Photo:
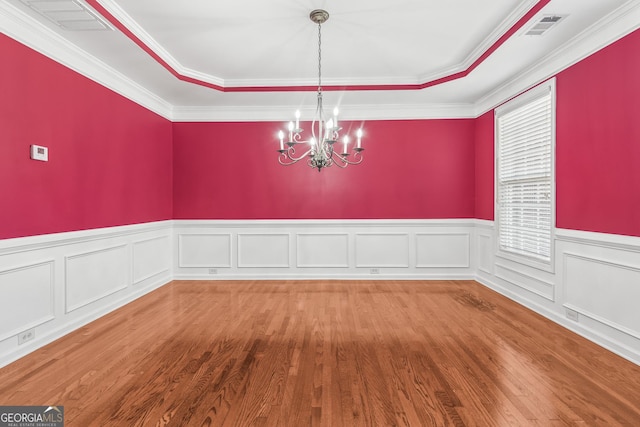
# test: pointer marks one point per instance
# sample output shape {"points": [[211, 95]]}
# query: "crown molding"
{"points": [[347, 112], [150, 45], [516, 20], [507, 24], [34, 34], [607, 30]]}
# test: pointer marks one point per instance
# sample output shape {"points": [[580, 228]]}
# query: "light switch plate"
{"points": [[39, 152]]}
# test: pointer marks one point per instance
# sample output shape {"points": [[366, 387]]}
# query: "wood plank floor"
{"points": [[326, 353]]}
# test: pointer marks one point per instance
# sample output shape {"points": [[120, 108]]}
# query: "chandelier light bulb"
{"points": [[281, 138], [297, 119]]}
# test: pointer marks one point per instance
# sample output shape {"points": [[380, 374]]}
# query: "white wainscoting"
{"points": [[344, 249], [263, 250], [594, 290], [151, 257], [204, 250], [93, 275], [440, 250], [58, 282], [322, 250], [382, 250], [32, 284]]}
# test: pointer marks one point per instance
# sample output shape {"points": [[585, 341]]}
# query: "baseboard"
{"points": [[615, 347]]}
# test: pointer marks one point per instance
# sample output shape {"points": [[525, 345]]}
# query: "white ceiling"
{"points": [[256, 43]]}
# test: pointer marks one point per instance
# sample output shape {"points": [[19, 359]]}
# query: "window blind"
{"points": [[525, 178]]}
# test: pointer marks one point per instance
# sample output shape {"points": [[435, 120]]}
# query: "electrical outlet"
{"points": [[572, 314], [374, 271], [26, 336], [213, 271]]}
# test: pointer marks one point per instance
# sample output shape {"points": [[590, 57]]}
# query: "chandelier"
{"points": [[323, 147]]}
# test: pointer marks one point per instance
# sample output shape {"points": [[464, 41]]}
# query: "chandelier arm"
{"points": [[290, 158], [345, 161]]}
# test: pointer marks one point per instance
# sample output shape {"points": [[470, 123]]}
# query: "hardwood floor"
{"points": [[326, 353]]}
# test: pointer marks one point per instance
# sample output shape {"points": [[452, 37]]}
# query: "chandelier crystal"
{"points": [[323, 147]]}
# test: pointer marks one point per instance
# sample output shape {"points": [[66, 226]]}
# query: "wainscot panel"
{"points": [[326, 249], [52, 284], [322, 250], [443, 250], [31, 284], [594, 290]]}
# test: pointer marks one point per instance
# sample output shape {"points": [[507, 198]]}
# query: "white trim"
{"points": [[518, 13], [602, 261], [65, 328], [602, 320], [484, 223], [239, 245], [59, 248], [607, 30], [351, 112], [505, 25], [595, 336], [489, 245], [526, 276], [299, 254], [452, 265], [73, 307], [382, 265], [34, 34], [44, 319], [183, 264], [253, 223], [27, 30], [42, 241], [547, 87], [138, 280], [324, 276], [600, 248], [614, 241], [30, 32]]}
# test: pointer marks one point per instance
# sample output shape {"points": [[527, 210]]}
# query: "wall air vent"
{"points": [[68, 14], [543, 25]]}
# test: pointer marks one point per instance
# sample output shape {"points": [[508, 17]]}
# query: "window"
{"points": [[525, 137]]}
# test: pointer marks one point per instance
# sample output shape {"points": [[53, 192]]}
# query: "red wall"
{"points": [[484, 164], [412, 169], [113, 162], [597, 144], [110, 160], [598, 141]]}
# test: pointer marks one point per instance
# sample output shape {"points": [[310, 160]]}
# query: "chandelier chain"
{"points": [[319, 57]]}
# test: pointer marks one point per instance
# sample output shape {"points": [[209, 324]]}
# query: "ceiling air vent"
{"points": [[546, 23], [68, 14]]}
